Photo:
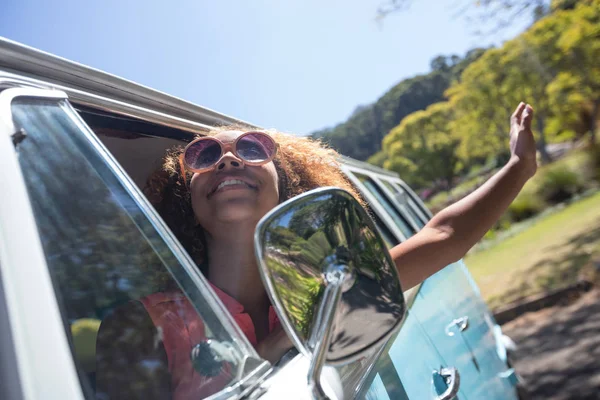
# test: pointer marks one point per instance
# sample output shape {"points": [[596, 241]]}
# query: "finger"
{"points": [[516, 116], [527, 117]]}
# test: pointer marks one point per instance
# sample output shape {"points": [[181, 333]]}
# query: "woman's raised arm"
{"points": [[454, 230]]}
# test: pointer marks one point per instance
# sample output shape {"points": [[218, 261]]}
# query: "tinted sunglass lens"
{"points": [[256, 147], [202, 154]]}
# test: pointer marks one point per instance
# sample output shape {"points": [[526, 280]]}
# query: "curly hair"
{"points": [[302, 164]]}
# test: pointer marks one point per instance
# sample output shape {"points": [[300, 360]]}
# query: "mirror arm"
{"points": [[339, 278]]}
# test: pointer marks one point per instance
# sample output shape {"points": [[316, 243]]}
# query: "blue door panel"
{"points": [[451, 292], [413, 359], [453, 350]]}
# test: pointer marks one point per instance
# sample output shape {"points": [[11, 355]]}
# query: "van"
{"points": [[79, 237]]}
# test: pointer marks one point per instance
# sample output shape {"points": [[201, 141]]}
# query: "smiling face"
{"points": [[233, 192]]}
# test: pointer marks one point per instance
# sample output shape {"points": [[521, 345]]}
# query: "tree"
{"points": [[482, 107], [422, 148], [361, 135], [573, 111], [558, 58], [528, 75], [579, 48], [521, 70], [553, 66]]}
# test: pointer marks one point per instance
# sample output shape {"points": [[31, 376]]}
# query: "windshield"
{"points": [[118, 275]]}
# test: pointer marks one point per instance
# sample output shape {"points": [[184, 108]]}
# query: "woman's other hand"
{"points": [[522, 142], [275, 345]]}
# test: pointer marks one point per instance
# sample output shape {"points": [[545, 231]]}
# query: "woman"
{"points": [[216, 193]]}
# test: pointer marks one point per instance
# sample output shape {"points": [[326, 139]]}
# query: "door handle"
{"points": [[462, 323], [452, 379]]}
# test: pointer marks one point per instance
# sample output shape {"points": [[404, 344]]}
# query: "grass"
{"points": [[549, 253]]}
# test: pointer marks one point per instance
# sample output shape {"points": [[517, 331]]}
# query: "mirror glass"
{"points": [[299, 241]]}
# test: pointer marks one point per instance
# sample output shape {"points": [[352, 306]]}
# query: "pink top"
{"points": [[182, 328]]}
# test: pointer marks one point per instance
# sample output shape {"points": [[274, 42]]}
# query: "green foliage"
{"points": [[378, 159], [567, 98], [422, 142], [559, 184], [482, 109], [526, 205], [554, 184], [584, 164], [551, 65], [435, 127], [361, 135]]}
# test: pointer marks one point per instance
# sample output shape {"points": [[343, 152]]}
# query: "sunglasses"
{"points": [[203, 154]]}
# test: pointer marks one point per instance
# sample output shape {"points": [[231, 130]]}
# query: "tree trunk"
{"points": [[541, 143]]}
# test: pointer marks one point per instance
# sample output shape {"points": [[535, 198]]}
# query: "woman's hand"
{"points": [[275, 345], [522, 143]]}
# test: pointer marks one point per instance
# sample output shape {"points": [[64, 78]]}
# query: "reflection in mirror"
{"points": [[307, 243]]}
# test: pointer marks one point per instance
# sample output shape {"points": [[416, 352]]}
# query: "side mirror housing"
{"points": [[330, 277]]}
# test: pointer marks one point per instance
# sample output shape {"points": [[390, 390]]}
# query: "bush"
{"points": [[558, 184], [526, 205]]}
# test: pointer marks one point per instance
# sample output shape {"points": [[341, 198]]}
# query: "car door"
{"points": [[88, 243], [465, 322], [410, 366], [469, 319], [468, 331]]}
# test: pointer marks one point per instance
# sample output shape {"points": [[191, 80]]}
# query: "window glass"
{"points": [[372, 187], [387, 236], [409, 204], [413, 199], [115, 272]]}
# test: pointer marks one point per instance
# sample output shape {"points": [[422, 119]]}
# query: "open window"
{"points": [[105, 247]]}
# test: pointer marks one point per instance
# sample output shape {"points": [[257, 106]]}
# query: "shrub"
{"points": [[526, 205], [559, 183]]}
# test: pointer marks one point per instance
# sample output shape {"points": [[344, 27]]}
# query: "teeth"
{"points": [[231, 182]]}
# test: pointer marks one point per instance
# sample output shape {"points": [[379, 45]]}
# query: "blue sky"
{"points": [[292, 65]]}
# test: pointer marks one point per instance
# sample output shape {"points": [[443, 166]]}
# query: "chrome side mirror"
{"points": [[330, 277]]}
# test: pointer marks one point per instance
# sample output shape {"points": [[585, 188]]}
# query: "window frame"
{"points": [[44, 362], [383, 215], [350, 169], [422, 208], [403, 208], [392, 202], [61, 356]]}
